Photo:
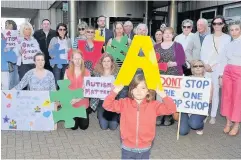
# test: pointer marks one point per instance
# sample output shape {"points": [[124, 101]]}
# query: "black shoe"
{"points": [[76, 126]]}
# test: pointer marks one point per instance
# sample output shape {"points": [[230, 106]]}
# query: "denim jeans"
{"points": [[125, 154], [13, 77], [193, 122], [59, 73], [106, 119]]}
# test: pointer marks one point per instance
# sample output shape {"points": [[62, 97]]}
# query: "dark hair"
{"points": [[225, 27], [100, 17], [159, 30], [135, 81], [57, 28], [12, 23], [38, 54], [46, 20]]}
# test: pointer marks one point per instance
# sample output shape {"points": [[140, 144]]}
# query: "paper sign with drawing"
{"points": [[26, 110]]}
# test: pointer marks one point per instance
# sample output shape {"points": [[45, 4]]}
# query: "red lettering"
{"points": [[171, 82]]}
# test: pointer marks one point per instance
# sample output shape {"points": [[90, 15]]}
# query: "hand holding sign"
{"points": [[118, 88]]}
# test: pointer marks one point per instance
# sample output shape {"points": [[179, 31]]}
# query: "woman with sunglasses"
{"points": [[212, 46], [193, 121], [230, 80], [65, 43], [81, 30]]}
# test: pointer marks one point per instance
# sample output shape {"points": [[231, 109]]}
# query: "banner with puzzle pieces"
{"points": [[26, 111]]}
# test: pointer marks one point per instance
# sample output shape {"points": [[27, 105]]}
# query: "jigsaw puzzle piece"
{"points": [[55, 53], [8, 56]]}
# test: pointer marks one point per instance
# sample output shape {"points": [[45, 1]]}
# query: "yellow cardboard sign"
{"points": [[98, 37], [148, 63]]}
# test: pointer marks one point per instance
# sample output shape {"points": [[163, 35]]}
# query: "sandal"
{"points": [[227, 129], [234, 131]]}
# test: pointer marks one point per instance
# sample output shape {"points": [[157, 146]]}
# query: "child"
{"points": [[138, 116], [194, 121]]}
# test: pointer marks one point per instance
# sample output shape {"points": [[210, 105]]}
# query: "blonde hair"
{"points": [[138, 78], [193, 62], [72, 66], [23, 26], [169, 29], [98, 69]]}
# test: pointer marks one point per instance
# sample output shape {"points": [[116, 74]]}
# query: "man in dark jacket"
{"points": [[43, 36], [108, 34]]}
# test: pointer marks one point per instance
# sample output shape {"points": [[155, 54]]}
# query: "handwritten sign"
{"points": [[26, 110], [29, 48], [97, 87], [11, 37], [191, 94]]}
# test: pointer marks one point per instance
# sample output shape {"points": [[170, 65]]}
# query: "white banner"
{"points": [[97, 87], [27, 111], [191, 94], [11, 37], [29, 48]]}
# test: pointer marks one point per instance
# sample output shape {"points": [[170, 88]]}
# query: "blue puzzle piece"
{"points": [[55, 53], [6, 57]]}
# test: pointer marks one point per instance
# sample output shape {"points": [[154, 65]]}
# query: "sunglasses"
{"points": [[198, 66], [90, 32], [186, 27], [218, 23], [81, 29], [62, 29]]}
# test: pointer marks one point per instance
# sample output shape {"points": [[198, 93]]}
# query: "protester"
{"points": [[106, 67], [184, 39], [81, 29], [172, 54], [213, 45], [106, 33], [138, 116], [76, 73], [193, 48], [128, 29], [118, 35], [13, 69], [194, 121], [230, 80], [158, 36], [26, 49], [65, 43], [38, 79], [43, 36]]}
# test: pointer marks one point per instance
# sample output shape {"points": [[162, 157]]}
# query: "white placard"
{"points": [[97, 87], [11, 37], [191, 94], [26, 111], [29, 49]]}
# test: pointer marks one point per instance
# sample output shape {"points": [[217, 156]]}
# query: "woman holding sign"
{"points": [[76, 73], [65, 43], [194, 121], [230, 80], [173, 56], [106, 67], [27, 48]]}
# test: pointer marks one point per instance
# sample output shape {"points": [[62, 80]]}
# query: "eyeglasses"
{"points": [[186, 27], [81, 29], [198, 66], [90, 32], [60, 29], [218, 23]]}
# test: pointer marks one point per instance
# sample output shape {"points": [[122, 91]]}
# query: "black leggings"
{"points": [[82, 123]]}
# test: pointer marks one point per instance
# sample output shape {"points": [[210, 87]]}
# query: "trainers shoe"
{"points": [[199, 132], [212, 120]]}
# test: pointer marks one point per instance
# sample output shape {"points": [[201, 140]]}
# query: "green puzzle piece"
{"points": [[117, 47], [67, 111]]}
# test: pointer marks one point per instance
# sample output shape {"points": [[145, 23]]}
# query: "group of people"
{"points": [[136, 108]]}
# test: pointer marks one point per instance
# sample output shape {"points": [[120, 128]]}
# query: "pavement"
{"points": [[95, 143]]}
